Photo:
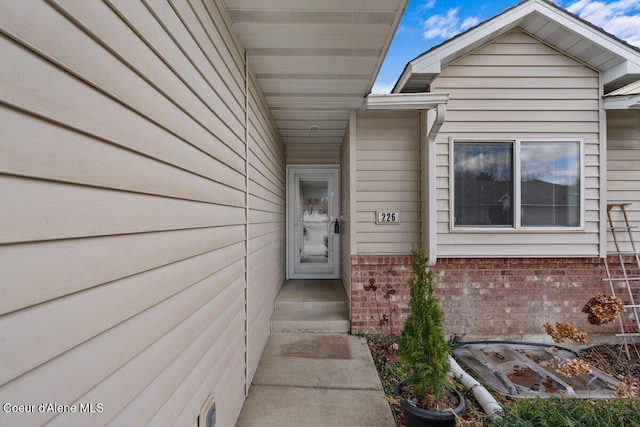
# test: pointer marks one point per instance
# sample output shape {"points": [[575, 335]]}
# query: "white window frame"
{"points": [[517, 190]]}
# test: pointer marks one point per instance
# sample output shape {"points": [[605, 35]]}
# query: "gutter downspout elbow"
{"points": [[441, 112]]}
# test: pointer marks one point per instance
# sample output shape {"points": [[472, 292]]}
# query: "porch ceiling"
{"points": [[315, 59]]}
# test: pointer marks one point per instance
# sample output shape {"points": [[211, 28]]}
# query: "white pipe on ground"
{"points": [[485, 399]]}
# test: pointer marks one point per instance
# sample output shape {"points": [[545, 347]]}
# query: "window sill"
{"points": [[541, 230]]}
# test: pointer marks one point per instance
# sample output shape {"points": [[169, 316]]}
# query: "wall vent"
{"points": [[207, 417]]}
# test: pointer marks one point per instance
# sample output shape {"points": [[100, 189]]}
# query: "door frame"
{"points": [[291, 202]]}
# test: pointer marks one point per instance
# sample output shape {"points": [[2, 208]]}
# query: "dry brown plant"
{"points": [[562, 331], [572, 367], [602, 309]]}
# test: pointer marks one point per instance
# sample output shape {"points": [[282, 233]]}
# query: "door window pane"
{"points": [[550, 184], [483, 184], [314, 203]]}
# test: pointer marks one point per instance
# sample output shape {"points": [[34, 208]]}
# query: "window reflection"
{"points": [[314, 205], [483, 184], [550, 184]]}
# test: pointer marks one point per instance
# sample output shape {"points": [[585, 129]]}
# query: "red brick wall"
{"points": [[386, 271], [495, 298]]}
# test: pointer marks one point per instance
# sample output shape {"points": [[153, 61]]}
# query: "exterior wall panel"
{"points": [[623, 167], [346, 218], [388, 178], [517, 87], [124, 130], [313, 154], [267, 228]]}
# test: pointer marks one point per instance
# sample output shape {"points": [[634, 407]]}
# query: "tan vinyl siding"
{"points": [[388, 178], [623, 165], [267, 226], [122, 237], [346, 216], [313, 154], [517, 87]]}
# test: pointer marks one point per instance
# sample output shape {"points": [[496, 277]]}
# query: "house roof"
{"points": [[627, 97], [315, 59], [545, 21], [630, 89]]}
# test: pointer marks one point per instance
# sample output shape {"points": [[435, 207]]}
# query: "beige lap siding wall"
{"points": [[505, 298], [130, 138], [513, 87]]}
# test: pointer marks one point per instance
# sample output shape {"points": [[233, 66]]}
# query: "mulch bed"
{"points": [[385, 355], [611, 359]]}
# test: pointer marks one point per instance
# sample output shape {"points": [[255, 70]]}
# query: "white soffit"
{"points": [[315, 60], [556, 27]]}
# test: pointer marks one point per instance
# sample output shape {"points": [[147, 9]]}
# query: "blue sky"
{"points": [[427, 23]]}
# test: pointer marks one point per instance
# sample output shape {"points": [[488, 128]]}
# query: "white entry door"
{"points": [[313, 246]]}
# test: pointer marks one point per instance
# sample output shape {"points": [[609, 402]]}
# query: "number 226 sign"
{"points": [[386, 217]]}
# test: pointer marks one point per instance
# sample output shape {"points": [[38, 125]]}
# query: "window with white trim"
{"points": [[517, 184]]}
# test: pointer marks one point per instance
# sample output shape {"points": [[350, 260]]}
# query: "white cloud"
{"points": [[621, 18], [427, 5], [448, 25], [469, 22], [380, 88]]}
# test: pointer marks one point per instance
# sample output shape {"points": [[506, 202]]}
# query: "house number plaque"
{"points": [[386, 217]]}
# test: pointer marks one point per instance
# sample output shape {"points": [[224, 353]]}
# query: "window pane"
{"points": [[550, 184], [483, 184]]}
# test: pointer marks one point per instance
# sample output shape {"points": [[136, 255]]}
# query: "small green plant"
{"points": [[569, 413], [424, 350]]}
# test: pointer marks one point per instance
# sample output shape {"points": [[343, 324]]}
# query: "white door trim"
{"points": [[294, 268]]}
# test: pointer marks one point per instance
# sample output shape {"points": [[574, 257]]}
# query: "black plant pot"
{"points": [[418, 417]]}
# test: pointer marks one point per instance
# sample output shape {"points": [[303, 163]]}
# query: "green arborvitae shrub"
{"points": [[423, 348]]}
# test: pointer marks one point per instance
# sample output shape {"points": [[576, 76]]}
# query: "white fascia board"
{"points": [[434, 67], [387, 43], [433, 60], [622, 102], [631, 64], [587, 31], [404, 78], [621, 70], [405, 101]]}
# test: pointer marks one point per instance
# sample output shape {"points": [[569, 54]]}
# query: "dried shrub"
{"points": [[572, 367], [602, 309], [624, 390], [563, 331]]}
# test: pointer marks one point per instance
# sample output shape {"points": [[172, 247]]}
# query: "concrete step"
{"points": [[311, 321], [312, 306]]}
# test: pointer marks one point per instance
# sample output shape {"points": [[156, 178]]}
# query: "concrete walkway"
{"points": [[318, 380], [315, 380]]}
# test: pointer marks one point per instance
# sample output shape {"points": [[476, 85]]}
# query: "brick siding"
{"points": [[497, 298]]}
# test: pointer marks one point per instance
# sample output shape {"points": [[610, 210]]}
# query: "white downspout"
{"points": [[603, 147], [431, 240], [490, 406]]}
